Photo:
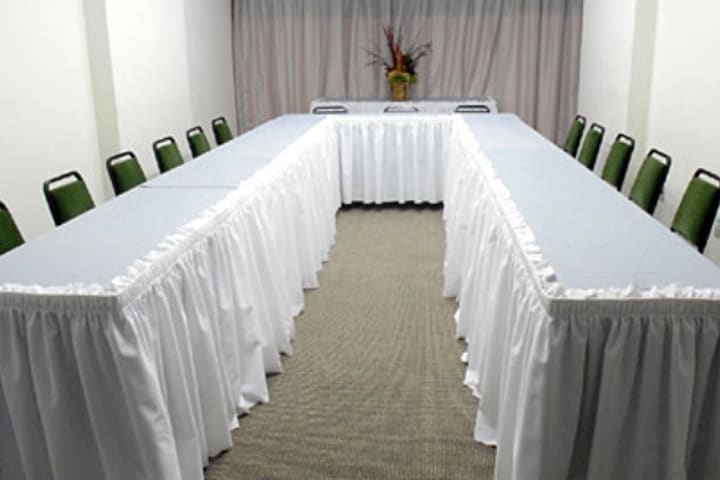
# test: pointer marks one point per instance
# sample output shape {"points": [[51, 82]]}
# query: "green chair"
{"points": [[125, 172], [696, 213], [67, 197], [167, 154], [221, 130], [591, 145], [10, 236], [648, 184], [198, 141], [572, 142], [618, 159]]}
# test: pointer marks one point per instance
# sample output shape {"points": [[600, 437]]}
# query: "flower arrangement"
{"points": [[401, 69]]}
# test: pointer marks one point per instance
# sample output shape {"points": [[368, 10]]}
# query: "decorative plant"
{"points": [[401, 68]]}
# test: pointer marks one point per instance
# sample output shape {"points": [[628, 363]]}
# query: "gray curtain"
{"points": [[524, 53]]}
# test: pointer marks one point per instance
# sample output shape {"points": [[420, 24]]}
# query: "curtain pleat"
{"points": [[524, 53]]}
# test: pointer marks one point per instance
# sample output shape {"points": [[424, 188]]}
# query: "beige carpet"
{"points": [[374, 389]]}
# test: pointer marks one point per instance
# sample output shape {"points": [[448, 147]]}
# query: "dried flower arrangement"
{"points": [[400, 70]]}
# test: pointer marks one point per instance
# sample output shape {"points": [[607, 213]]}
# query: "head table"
{"points": [[414, 105], [133, 336]]}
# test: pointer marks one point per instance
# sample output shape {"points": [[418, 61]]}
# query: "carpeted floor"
{"points": [[374, 389]]}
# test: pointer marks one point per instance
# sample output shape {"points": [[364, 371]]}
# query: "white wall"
{"points": [[171, 68], [643, 58], [47, 122], [209, 49], [685, 96], [616, 61], [150, 73], [83, 79], [606, 64], [656, 78]]}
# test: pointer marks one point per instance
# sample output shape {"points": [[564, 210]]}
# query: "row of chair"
{"points": [[125, 171], [694, 216], [67, 195]]}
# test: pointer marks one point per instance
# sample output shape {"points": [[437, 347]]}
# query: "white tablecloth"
{"points": [[132, 336], [398, 158], [444, 105], [593, 332]]}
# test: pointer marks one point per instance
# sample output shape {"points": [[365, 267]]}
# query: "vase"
{"points": [[399, 91]]}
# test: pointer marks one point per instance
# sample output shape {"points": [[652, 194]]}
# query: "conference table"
{"points": [[133, 336], [592, 330]]}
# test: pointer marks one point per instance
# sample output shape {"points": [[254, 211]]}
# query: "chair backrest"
{"points": [[591, 145], [401, 109], [125, 172], [167, 154], [618, 159], [10, 236], [329, 109], [472, 108], [221, 130], [572, 142], [696, 213], [198, 141], [648, 184], [67, 197]]}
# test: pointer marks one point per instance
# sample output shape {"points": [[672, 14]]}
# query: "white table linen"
{"points": [[444, 105], [592, 331], [392, 159], [119, 369]]}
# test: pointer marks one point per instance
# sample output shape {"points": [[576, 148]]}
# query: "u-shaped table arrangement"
{"points": [[133, 336]]}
